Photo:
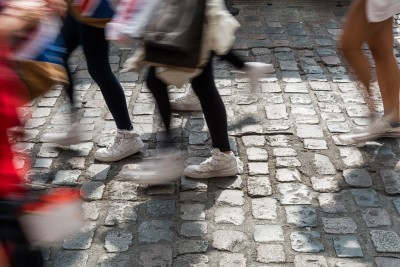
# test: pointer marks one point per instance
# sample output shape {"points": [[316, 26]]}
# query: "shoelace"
{"points": [[117, 140], [213, 161]]}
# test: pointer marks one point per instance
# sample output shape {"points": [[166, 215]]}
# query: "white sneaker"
{"points": [[126, 143], [188, 102], [218, 165], [72, 137], [161, 170], [379, 128], [255, 71]]}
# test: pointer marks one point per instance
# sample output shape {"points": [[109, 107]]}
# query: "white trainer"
{"points": [[218, 165], [188, 102], [126, 143], [164, 169], [71, 137], [379, 128]]}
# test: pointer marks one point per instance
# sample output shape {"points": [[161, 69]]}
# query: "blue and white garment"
{"points": [[95, 8]]}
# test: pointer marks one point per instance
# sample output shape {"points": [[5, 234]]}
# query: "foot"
{"points": [[71, 137], [218, 165], [126, 143], [161, 170], [188, 102], [379, 128]]}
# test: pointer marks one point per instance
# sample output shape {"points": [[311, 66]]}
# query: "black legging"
{"points": [[95, 49], [211, 103], [234, 59]]}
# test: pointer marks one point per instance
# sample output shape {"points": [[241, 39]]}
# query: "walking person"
{"points": [[371, 22], [89, 33]]}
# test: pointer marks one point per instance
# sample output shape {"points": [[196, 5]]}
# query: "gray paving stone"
{"points": [[258, 168], [288, 175], [296, 88], [287, 162], [161, 208], [294, 194], [122, 190], [82, 239], [365, 197], [325, 96], [351, 156], [195, 260], [268, 233], [192, 229], [343, 225], [264, 208], [301, 216], [271, 253], [161, 190], [232, 259], [91, 210], [357, 111], [121, 212], [191, 196], [352, 263], [276, 112], [193, 184], [83, 149], [375, 217], [228, 240], [229, 197], [192, 246], [257, 154], [302, 110], [69, 177], [306, 241], [315, 144], [329, 108], [118, 240], [291, 77], [284, 152], [98, 172], [46, 151], [347, 247], [35, 123], [198, 138], [253, 140], [42, 163], [155, 231], [300, 99], [113, 260], [338, 127], [71, 258], [332, 203], [325, 184], [309, 131], [76, 163], [279, 141], [310, 261], [229, 215], [155, 255], [333, 117], [41, 112], [385, 241], [193, 212], [357, 177], [387, 262], [323, 164], [391, 181], [259, 186], [143, 109], [92, 190]]}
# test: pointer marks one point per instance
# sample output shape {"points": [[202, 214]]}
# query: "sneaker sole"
{"points": [[121, 156], [226, 173]]}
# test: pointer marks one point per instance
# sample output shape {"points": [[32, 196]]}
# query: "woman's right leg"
{"points": [[356, 31]]}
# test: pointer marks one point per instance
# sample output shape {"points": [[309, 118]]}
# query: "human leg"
{"points": [[222, 162]]}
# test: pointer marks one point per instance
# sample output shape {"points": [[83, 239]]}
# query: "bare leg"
{"points": [[356, 31], [381, 46]]}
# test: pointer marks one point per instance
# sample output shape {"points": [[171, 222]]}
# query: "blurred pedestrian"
{"points": [[371, 22], [88, 31]]}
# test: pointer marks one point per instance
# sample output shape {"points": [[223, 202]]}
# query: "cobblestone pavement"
{"points": [[304, 199]]}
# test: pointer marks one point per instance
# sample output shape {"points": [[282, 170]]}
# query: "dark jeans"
{"points": [[211, 103], [95, 48]]}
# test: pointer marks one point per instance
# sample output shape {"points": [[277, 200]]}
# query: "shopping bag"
{"points": [[174, 35]]}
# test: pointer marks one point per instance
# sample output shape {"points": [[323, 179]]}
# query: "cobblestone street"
{"points": [[304, 199]]}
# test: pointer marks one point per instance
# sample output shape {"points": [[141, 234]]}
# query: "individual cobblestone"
{"points": [[347, 247], [156, 255], [325, 184], [357, 177], [123, 191], [288, 175], [193, 212], [121, 212], [315, 144], [229, 215], [81, 240], [301, 216], [365, 197], [306, 242], [310, 261], [69, 177], [375, 217], [385, 241], [268, 233], [192, 246], [118, 241], [264, 208], [259, 186], [232, 259], [257, 154], [192, 229], [343, 225], [155, 231], [161, 208], [228, 240], [271, 253], [71, 258], [323, 164], [351, 156], [294, 194], [98, 172], [332, 203], [92, 190], [391, 181]]}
